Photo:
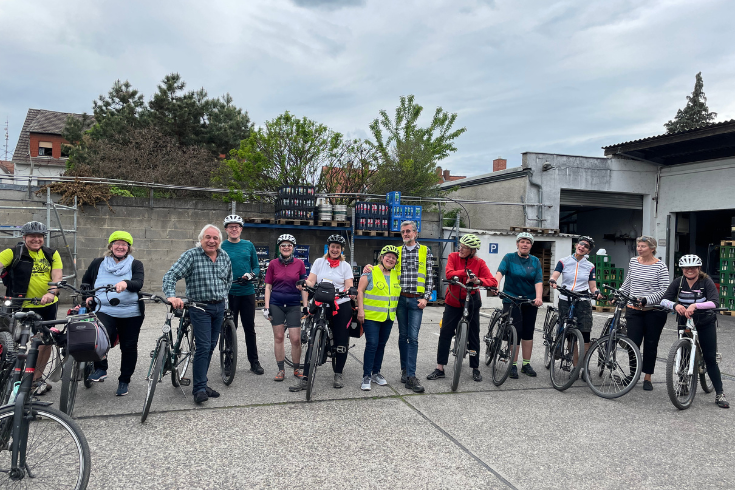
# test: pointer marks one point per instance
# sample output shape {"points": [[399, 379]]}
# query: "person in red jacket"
{"points": [[469, 269]]}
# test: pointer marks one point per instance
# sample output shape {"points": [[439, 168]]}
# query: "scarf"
{"points": [[286, 261], [333, 263], [122, 268]]}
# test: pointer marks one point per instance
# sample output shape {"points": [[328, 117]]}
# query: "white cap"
{"points": [[602, 251]]}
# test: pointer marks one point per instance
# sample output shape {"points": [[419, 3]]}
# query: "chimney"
{"points": [[446, 175], [499, 164]]}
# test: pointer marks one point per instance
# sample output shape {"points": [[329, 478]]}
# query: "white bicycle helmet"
{"points": [[339, 239], [233, 218], [525, 235], [690, 260], [286, 238]]}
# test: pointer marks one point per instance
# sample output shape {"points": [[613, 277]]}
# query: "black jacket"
{"points": [[135, 284]]}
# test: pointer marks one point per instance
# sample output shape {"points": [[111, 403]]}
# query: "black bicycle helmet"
{"points": [[34, 227], [337, 239], [587, 239]]}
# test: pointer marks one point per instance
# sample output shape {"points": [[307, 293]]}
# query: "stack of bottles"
{"points": [[372, 216], [296, 202]]}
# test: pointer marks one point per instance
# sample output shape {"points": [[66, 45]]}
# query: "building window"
{"points": [[44, 149]]}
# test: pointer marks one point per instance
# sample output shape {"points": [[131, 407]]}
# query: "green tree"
{"points": [[695, 114], [285, 151], [122, 110], [353, 172], [408, 153]]}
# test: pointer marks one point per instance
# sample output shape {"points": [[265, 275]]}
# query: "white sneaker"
{"points": [[42, 388], [379, 380], [365, 383]]}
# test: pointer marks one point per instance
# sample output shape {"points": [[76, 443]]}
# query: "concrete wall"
{"points": [[586, 173], [163, 231], [489, 216], [620, 222]]}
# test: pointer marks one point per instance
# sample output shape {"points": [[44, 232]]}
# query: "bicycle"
{"points": [[73, 371], [501, 338], [564, 344], [613, 364], [228, 340], [460, 341], [306, 324], [36, 441], [169, 355], [8, 346], [319, 341], [685, 364]]}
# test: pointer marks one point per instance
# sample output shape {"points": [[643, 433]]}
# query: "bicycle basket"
{"points": [[324, 293], [87, 341]]}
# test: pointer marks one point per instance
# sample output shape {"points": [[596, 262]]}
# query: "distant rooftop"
{"points": [[40, 121]]}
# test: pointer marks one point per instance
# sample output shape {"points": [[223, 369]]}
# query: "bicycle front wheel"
{"points": [[183, 357], [505, 351], [69, 380], [228, 352], [461, 351], [56, 455], [492, 333], [680, 385], [564, 370], [613, 368], [548, 339], [155, 373], [86, 372], [317, 350]]}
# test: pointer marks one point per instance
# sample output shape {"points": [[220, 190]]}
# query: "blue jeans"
{"points": [[409, 317], [206, 326], [376, 336]]}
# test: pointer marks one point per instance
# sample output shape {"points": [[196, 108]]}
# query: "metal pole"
{"points": [[75, 239], [48, 209], [233, 207], [352, 239], [66, 245]]}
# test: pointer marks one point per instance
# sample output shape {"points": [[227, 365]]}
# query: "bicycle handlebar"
{"points": [[575, 294], [337, 294]]}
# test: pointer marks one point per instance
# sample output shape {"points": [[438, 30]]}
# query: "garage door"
{"points": [[573, 197]]}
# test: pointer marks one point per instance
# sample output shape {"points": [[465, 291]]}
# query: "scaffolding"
{"points": [[52, 212]]}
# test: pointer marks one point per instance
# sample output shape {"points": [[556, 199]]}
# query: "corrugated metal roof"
{"points": [[678, 133]]}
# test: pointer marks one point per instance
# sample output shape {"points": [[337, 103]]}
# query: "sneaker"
{"points": [[404, 378], [256, 367], [42, 388], [200, 397], [721, 401], [122, 389], [280, 375], [298, 373], [211, 393], [528, 370], [647, 385], [98, 376], [436, 374], [379, 380], [412, 383], [476, 375], [365, 386], [514, 372], [301, 384], [338, 381]]}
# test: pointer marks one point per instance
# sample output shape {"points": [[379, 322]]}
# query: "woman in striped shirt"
{"points": [[647, 279]]}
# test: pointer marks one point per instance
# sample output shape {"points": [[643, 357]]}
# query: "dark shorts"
{"points": [[582, 312], [288, 315]]}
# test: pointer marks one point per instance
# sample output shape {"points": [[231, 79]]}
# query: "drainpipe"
{"points": [[540, 212]]}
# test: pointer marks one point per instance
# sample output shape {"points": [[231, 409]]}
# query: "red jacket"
{"points": [[456, 267]]}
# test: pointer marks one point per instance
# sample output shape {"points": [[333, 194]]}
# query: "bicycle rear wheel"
{"points": [[183, 358], [317, 350], [563, 371], [549, 338], [155, 373], [492, 333], [7, 360], [460, 347], [680, 385], [228, 352], [619, 368], [504, 352], [69, 381], [704, 379], [57, 453]]}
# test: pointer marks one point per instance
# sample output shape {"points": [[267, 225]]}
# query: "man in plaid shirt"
{"points": [[207, 271]]}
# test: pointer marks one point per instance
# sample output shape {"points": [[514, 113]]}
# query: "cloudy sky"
{"points": [[560, 77]]}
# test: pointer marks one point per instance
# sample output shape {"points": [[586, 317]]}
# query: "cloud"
{"points": [[329, 4]]}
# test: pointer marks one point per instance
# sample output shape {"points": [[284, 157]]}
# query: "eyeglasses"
{"points": [[286, 245], [584, 244], [463, 247], [403, 232]]}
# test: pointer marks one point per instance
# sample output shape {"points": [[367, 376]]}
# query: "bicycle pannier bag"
{"points": [[87, 341], [324, 292], [355, 328]]}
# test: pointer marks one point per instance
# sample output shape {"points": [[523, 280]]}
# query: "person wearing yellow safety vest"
{"points": [[377, 298]]}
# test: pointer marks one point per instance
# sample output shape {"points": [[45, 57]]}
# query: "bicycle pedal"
{"points": [[153, 354], [472, 352], [185, 381]]}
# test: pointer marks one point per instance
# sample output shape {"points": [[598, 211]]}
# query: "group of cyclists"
{"points": [[398, 287]]}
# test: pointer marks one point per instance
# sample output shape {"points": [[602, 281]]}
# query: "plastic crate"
{"points": [[393, 198], [296, 190], [433, 295], [727, 265], [727, 252], [262, 251], [417, 210]]}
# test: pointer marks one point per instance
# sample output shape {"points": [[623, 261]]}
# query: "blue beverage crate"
{"points": [[417, 212], [393, 198], [433, 295], [395, 224], [396, 211]]}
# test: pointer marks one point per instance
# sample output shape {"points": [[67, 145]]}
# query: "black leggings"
{"points": [[524, 320], [450, 320], [645, 327], [128, 331], [245, 307], [339, 325], [708, 342]]}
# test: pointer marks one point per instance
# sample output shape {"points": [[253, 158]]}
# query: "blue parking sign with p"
{"points": [[493, 248]]}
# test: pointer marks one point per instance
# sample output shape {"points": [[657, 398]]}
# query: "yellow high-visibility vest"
{"points": [[380, 302], [423, 251]]}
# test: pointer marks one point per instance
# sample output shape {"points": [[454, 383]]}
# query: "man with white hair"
{"points": [[207, 271]]}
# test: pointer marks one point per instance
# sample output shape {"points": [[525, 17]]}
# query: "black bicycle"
{"points": [[501, 338], [613, 364], [564, 344], [39, 445], [319, 341], [460, 341]]}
